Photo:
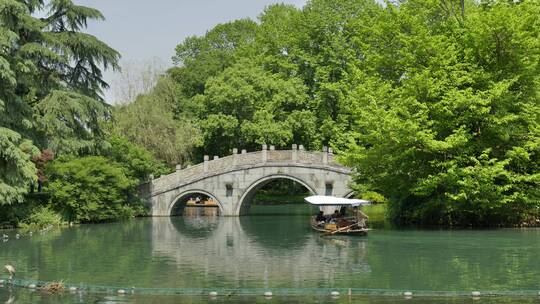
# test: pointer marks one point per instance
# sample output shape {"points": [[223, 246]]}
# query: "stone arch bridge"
{"points": [[232, 181]]}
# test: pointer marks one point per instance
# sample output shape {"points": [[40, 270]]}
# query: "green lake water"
{"points": [[274, 252]]}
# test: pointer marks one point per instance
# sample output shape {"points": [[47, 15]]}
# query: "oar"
{"points": [[340, 229]]}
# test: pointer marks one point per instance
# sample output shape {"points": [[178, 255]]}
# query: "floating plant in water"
{"points": [[53, 287]]}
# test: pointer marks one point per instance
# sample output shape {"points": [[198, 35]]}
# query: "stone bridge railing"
{"points": [[241, 161]]}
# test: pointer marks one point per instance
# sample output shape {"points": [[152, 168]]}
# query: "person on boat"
{"points": [[337, 214], [320, 217], [361, 218], [343, 211], [334, 217]]}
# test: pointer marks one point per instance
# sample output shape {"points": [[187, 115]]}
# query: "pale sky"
{"points": [[143, 30]]}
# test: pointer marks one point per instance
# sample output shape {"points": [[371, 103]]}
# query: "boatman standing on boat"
{"points": [[361, 218]]}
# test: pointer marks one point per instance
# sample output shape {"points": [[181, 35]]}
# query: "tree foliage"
{"points": [[17, 172], [447, 116], [282, 81], [90, 189], [138, 163], [435, 106], [51, 80], [204, 57], [71, 123], [251, 107], [152, 121]]}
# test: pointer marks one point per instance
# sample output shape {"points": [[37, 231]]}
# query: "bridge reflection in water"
{"points": [[258, 251]]}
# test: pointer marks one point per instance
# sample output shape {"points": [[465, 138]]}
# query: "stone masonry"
{"points": [[233, 180]]}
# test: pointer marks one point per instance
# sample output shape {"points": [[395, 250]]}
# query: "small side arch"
{"points": [[248, 193], [184, 194]]}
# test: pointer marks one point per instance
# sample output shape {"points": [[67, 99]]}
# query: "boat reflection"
{"points": [[200, 211]]}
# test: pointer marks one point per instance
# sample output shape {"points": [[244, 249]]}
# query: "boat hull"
{"points": [[361, 231]]}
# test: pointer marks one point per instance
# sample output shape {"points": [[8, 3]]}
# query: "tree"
{"points": [[70, 123], [246, 106], [90, 189], [316, 45], [137, 162], [17, 172], [151, 122], [449, 130], [137, 78], [51, 79], [199, 58]]}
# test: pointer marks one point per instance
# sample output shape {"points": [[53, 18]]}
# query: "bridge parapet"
{"points": [[241, 161]]}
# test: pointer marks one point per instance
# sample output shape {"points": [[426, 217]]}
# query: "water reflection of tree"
{"points": [[455, 260], [277, 234], [103, 254]]}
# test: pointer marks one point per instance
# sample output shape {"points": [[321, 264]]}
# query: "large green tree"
{"points": [[51, 80], [240, 68], [447, 112], [246, 106], [316, 45], [199, 58]]}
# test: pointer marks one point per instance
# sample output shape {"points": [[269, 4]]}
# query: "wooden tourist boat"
{"points": [[201, 207], [200, 211], [202, 203], [338, 225]]}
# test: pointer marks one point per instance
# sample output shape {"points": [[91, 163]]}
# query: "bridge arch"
{"points": [[258, 184], [178, 199]]}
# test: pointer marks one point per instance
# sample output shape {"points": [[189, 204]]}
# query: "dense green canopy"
{"points": [[51, 80], [53, 121], [434, 104], [91, 189], [447, 115]]}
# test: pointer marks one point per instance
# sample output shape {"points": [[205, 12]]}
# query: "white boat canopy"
{"points": [[321, 200]]}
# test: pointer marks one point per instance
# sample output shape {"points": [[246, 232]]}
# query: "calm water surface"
{"points": [[272, 252]]}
